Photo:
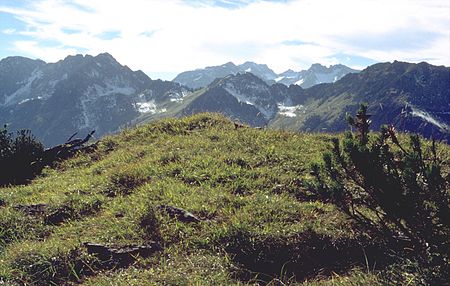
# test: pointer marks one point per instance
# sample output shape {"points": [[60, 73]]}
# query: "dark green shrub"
{"points": [[399, 196], [19, 156]]}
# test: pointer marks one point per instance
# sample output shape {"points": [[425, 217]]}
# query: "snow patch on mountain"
{"points": [[25, 91], [300, 81], [289, 111], [429, 118], [145, 107], [178, 96], [29, 99], [148, 107]]}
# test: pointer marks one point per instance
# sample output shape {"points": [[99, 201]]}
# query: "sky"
{"points": [[166, 37]]}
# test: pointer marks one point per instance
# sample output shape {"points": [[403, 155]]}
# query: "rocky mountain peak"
{"points": [[289, 71], [19, 60], [226, 65], [106, 56], [248, 65], [246, 77], [318, 68]]}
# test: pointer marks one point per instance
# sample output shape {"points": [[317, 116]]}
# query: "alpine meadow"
{"points": [[224, 142]]}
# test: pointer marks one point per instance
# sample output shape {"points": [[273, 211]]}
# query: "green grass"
{"points": [[247, 185]]}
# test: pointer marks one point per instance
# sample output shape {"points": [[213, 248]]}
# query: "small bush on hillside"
{"points": [[18, 155], [398, 196]]}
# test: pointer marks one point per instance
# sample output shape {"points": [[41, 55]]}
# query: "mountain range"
{"points": [[84, 93], [79, 93], [412, 97], [316, 74]]}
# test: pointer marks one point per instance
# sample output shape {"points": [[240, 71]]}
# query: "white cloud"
{"points": [[50, 54], [9, 31], [172, 36]]}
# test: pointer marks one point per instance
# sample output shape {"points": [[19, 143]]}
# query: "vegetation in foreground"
{"points": [[189, 201], [18, 152], [399, 197]]}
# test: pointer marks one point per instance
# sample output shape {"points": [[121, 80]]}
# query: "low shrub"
{"points": [[399, 196], [18, 156]]}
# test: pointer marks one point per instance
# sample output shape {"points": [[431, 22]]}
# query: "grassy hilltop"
{"points": [[255, 221]]}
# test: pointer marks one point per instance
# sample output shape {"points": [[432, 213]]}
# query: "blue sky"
{"points": [[165, 37]]}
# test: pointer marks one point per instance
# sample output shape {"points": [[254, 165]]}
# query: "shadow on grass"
{"points": [[303, 256]]}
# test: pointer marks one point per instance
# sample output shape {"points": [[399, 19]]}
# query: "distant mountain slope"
{"points": [[14, 72], [83, 93], [79, 93], [244, 97], [203, 77], [316, 74], [413, 97]]}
